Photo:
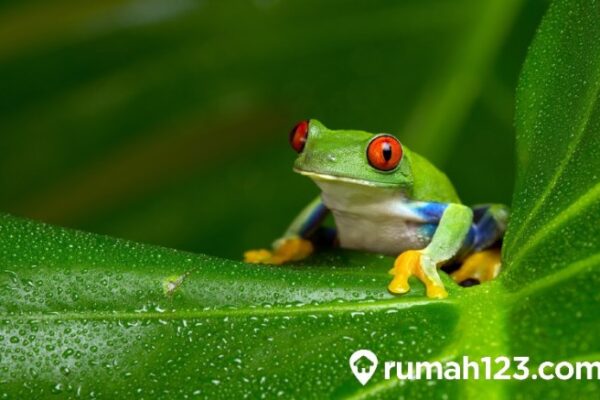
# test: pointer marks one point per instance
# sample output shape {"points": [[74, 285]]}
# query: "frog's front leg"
{"points": [[445, 243], [294, 244]]}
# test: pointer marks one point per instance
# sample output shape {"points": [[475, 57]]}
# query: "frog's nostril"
{"points": [[331, 157]]}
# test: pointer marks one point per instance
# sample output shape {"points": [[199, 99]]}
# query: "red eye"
{"points": [[384, 152], [298, 136]]}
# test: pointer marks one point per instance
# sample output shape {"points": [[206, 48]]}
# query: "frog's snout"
{"points": [[316, 161]]}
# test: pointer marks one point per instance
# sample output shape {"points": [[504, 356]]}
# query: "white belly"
{"points": [[373, 219], [389, 236]]}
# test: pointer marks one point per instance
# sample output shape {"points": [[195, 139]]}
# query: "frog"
{"points": [[387, 199]]}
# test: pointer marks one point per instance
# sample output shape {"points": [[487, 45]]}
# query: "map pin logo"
{"points": [[361, 373]]}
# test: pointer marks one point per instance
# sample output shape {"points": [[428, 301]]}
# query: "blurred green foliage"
{"points": [[166, 121]]}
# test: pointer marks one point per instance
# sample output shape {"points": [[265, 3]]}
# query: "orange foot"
{"points": [[483, 265], [291, 249], [417, 263]]}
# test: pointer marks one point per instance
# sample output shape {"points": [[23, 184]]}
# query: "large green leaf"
{"points": [[88, 315]]}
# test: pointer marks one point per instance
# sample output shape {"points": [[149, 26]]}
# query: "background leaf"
{"points": [[558, 136], [551, 248]]}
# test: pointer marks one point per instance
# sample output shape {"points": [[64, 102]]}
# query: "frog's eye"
{"points": [[384, 152], [298, 136]]}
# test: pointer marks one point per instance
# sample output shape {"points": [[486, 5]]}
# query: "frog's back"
{"points": [[429, 183]]}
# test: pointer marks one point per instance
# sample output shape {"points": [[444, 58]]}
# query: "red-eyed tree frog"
{"points": [[387, 199]]}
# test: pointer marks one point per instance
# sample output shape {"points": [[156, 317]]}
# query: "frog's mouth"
{"points": [[337, 178]]}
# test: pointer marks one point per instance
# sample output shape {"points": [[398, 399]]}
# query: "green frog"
{"points": [[387, 199]]}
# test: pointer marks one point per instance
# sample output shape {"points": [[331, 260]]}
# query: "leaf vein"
{"points": [[231, 312], [594, 94], [550, 280], [571, 211]]}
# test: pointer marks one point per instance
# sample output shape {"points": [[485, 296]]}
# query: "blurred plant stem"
{"points": [[446, 102]]}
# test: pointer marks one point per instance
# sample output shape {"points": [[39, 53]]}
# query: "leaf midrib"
{"points": [[494, 288], [391, 304]]}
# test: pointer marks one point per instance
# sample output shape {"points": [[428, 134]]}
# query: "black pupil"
{"points": [[386, 149]]}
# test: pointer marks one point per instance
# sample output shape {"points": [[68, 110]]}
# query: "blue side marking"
{"points": [[314, 220], [484, 230], [429, 211], [427, 230]]}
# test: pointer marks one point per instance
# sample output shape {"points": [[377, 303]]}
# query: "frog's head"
{"points": [[350, 156]]}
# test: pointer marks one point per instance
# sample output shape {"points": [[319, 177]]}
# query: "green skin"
{"points": [[415, 176], [340, 156]]}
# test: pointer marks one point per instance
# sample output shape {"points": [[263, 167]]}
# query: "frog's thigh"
{"points": [[482, 265]]}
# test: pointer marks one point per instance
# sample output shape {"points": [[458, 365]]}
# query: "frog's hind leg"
{"points": [[483, 263], [480, 266]]}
